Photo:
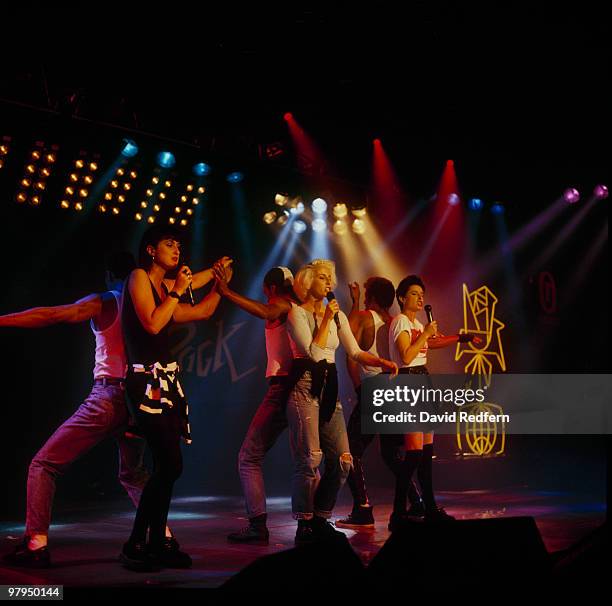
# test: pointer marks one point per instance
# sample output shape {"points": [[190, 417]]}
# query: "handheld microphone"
{"points": [[331, 297], [427, 309], [189, 289]]}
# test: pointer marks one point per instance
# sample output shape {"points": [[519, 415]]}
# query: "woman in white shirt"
{"points": [[315, 417]]}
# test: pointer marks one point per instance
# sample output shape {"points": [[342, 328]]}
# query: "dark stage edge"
{"points": [[85, 542]]}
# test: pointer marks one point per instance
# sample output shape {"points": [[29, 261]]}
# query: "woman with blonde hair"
{"points": [[314, 414]]}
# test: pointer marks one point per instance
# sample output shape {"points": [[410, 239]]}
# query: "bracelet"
{"points": [[174, 295]]}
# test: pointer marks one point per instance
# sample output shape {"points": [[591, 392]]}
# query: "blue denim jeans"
{"points": [[102, 415], [313, 440], [269, 422]]}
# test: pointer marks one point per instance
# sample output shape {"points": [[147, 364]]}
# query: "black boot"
{"points": [[304, 534], [256, 533], [169, 555], [361, 517], [28, 558], [136, 556]]}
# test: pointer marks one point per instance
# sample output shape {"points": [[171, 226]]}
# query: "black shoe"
{"points": [[437, 514], [169, 555], [137, 557], [28, 558], [361, 517], [255, 535], [305, 534], [416, 510], [324, 530]]}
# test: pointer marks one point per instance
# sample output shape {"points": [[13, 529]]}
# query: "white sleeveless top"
{"points": [[110, 352], [380, 346], [278, 351]]}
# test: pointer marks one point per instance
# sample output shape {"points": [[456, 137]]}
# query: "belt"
{"points": [[108, 381]]}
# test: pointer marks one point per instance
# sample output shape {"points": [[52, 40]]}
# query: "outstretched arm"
{"points": [[441, 341], [38, 317], [202, 278]]}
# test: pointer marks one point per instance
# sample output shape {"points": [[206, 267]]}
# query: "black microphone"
{"points": [[332, 297], [427, 309], [189, 289]]}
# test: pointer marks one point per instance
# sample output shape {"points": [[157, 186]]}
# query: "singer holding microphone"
{"points": [[154, 394], [314, 414], [409, 342]]}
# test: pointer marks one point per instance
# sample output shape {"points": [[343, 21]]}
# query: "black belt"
{"points": [[108, 381]]}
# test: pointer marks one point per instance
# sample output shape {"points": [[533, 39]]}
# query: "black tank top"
{"points": [[142, 347]]}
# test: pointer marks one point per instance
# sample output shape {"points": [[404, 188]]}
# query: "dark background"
{"points": [[519, 102]]}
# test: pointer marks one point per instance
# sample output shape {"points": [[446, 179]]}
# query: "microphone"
{"points": [[332, 297], [189, 289], [427, 309]]}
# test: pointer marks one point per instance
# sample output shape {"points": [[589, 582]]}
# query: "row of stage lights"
{"points": [[294, 207], [166, 159]]}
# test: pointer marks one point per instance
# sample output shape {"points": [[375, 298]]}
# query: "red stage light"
{"points": [[288, 116]]}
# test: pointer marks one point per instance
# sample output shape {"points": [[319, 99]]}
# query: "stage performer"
{"points": [[103, 414], [314, 414], [154, 392], [371, 330], [409, 342], [270, 419]]}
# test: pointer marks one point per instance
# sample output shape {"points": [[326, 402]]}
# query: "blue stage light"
{"points": [[319, 206], [319, 225], [475, 204], [130, 149], [201, 169], [235, 177], [299, 227], [498, 209], [166, 159]]}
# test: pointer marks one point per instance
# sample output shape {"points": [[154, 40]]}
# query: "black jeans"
{"points": [[358, 442], [163, 435]]}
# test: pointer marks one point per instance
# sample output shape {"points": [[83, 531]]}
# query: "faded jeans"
{"points": [[311, 441], [102, 415], [267, 425]]}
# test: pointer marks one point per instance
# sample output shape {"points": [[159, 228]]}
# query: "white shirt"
{"points": [[380, 346], [278, 350], [110, 352], [401, 324], [301, 327]]}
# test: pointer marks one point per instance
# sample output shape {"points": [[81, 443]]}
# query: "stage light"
{"points": [[168, 183], [453, 199], [195, 201], [177, 209], [600, 192], [340, 210], [114, 184], [359, 211], [93, 167], [201, 189], [83, 193], [156, 208], [102, 208], [50, 158], [270, 217], [130, 149], [190, 187], [21, 197], [108, 196], [149, 192], [184, 222], [282, 219], [151, 219], [281, 199], [297, 209], [201, 169], [127, 186], [172, 220], [475, 204], [35, 154], [79, 163], [189, 211], [340, 228], [45, 172], [30, 168], [143, 204], [78, 206], [40, 185], [121, 198], [138, 217], [65, 204], [571, 195], [133, 174], [299, 227], [319, 206], [319, 225], [497, 209], [162, 196], [74, 177], [70, 191], [288, 116], [235, 177], [166, 159], [26, 182], [88, 179], [155, 180], [359, 226], [115, 210], [35, 200]]}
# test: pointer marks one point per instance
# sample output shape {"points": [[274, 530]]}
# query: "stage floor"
{"points": [[85, 542]]}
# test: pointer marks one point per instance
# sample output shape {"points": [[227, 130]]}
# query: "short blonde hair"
{"points": [[305, 276]]}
